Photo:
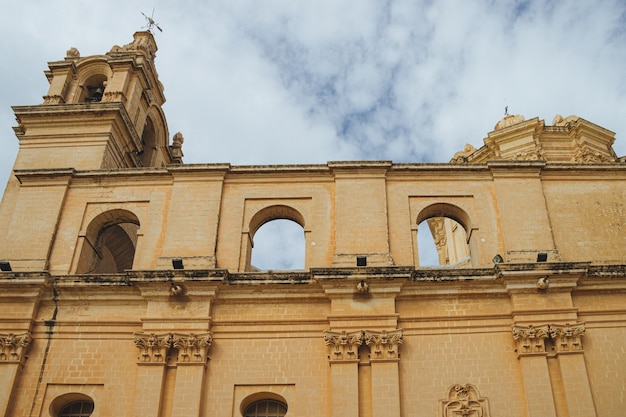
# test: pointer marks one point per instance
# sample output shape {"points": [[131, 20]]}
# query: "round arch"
{"points": [[451, 229], [62, 401], [259, 397], [445, 210], [93, 73], [109, 243], [275, 212]]}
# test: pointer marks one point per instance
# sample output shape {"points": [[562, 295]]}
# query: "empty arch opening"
{"points": [[148, 141], [278, 244], [442, 241], [109, 244], [442, 237]]}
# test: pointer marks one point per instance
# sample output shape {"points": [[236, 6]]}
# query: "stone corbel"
{"points": [[192, 348], [13, 347], [383, 345]]}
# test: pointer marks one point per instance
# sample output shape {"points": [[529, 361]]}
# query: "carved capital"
{"points": [[153, 347], [567, 337], [383, 345], [343, 346], [14, 346], [114, 96], [530, 339], [192, 347], [53, 99], [464, 400]]}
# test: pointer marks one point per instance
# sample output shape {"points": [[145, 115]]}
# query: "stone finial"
{"points": [[178, 140], [72, 53], [561, 121], [143, 43], [461, 156], [509, 120]]}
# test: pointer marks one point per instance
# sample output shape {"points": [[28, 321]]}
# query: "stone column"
{"points": [[532, 355], [12, 349], [343, 355], [190, 369], [568, 345], [384, 359], [150, 373]]}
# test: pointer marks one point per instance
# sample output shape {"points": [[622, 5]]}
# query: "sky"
{"points": [[284, 82]]}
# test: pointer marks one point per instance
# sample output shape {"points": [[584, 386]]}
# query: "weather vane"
{"points": [[151, 22]]}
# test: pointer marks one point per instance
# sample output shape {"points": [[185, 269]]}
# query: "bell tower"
{"points": [[100, 112]]}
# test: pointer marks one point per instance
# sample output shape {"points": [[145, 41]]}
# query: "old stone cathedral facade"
{"points": [[126, 284]]}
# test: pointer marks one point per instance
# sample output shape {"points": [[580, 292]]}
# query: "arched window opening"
{"points": [[109, 244], [77, 409], [442, 241], [148, 141], [266, 408], [278, 245], [442, 237], [93, 89]]}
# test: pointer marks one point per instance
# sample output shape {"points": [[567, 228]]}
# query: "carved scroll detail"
{"points": [[13, 346], [464, 400]]}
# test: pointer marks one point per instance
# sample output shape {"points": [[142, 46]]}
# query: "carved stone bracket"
{"points": [[531, 339], [384, 345], [344, 346], [464, 400], [192, 347], [153, 347], [13, 347]]}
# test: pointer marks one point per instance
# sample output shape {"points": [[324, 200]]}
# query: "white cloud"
{"points": [[252, 82]]}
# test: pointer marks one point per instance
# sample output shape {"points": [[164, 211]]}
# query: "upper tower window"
{"points": [[93, 89], [148, 141]]}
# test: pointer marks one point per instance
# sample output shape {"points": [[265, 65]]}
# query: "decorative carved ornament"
{"points": [[383, 345], [191, 348], [344, 346], [461, 157], [531, 339], [143, 44], [14, 346], [464, 400], [584, 155]]}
